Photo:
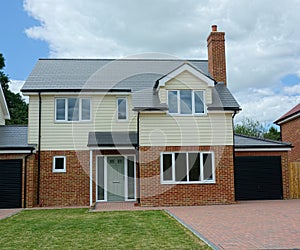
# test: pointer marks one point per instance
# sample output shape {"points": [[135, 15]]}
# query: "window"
{"points": [[194, 167], [186, 102], [122, 109], [72, 109], [59, 164]]}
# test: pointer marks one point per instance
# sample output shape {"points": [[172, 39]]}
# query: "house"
{"points": [[290, 131], [14, 151], [157, 132]]}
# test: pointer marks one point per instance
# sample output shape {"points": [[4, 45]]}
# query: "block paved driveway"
{"points": [[246, 225]]}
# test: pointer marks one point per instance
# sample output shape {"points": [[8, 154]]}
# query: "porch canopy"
{"points": [[113, 140]]}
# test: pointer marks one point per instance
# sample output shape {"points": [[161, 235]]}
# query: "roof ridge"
{"points": [[121, 59]]}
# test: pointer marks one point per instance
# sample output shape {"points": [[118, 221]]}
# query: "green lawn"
{"points": [[80, 229]]}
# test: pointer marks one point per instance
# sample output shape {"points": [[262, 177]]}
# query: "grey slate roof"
{"points": [[14, 137], [242, 141], [112, 139], [136, 75]]}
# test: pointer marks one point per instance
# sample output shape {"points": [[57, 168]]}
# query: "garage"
{"points": [[10, 183], [260, 168], [258, 178]]}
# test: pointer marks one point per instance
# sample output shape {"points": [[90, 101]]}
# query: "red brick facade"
{"points": [[65, 189], [153, 193], [290, 132], [284, 166]]}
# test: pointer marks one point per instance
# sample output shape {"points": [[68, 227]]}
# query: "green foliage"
{"points": [[250, 127], [254, 128], [273, 134], [17, 107]]}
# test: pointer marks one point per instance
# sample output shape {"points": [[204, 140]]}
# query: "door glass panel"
{"points": [[130, 177], [167, 167], [100, 184]]}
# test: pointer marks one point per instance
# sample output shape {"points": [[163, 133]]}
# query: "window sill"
{"points": [[187, 183]]}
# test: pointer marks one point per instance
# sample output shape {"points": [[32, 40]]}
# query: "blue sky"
{"points": [[20, 51], [262, 40]]}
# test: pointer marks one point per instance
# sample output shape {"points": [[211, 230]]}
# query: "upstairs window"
{"points": [[72, 109], [186, 102], [122, 109], [182, 167]]}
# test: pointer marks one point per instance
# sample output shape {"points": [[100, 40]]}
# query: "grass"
{"points": [[79, 229]]}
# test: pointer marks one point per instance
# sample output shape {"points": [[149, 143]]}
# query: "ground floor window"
{"points": [[187, 167], [59, 164]]}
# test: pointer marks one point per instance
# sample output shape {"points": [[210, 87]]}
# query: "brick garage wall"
{"points": [[290, 132], [65, 189], [284, 167], [153, 193], [31, 177]]}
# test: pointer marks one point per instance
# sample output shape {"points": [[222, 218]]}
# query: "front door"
{"points": [[115, 179]]}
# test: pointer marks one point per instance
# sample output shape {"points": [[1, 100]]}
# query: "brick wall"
{"points": [[290, 132], [65, 189], [284, 166], [153, 193]]}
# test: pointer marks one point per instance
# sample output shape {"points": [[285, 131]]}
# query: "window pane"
{"points": [[199, 105], [185, 101], [207, 167], [194, 167], [59, 163], [86, 109], [73, 109], [130, 177], [167, 167], [100, 173], [180, 167], [122, 108], [60, 109], [172, 102]]}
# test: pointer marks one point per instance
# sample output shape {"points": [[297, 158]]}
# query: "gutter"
{"points": [[25, 176], [39, 149]]}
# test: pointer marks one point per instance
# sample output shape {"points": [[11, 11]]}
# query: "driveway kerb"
{"points": [[195, 232], [5, 213]]}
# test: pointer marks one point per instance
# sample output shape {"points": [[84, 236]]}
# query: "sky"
{"points": [[262, 40]]}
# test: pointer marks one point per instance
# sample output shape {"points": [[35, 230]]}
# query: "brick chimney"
{"points": [[216, 55]]}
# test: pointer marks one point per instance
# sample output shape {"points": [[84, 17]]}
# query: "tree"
{"points": [[272, 134], [250, 127], [17, 107]]}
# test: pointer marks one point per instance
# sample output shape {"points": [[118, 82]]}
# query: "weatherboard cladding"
{"points": [[136, 75]]}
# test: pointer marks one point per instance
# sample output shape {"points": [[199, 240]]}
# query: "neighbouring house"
{"points": [[14, 150], [290, 131], [157, 132]]}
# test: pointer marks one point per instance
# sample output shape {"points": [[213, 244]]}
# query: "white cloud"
{"points": [[262, 38], [292, 90], [15, 86]]}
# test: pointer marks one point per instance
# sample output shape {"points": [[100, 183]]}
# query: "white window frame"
{"points": [[193, 102], [202, 181], [66, 109], [59, 170], [126, 101]]}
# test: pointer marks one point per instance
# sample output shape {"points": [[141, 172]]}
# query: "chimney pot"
{"points": [[214, 27]]}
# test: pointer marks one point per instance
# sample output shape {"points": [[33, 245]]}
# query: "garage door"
{"points": [[10, 183], [258, 178]]}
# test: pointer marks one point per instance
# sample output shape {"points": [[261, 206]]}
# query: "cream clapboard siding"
{"points": [[70, 136], [166, 130], [2, 120], [185, 80]]}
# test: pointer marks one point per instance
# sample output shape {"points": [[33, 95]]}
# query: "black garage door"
{"points": [[258, 178], [10, 183]]}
